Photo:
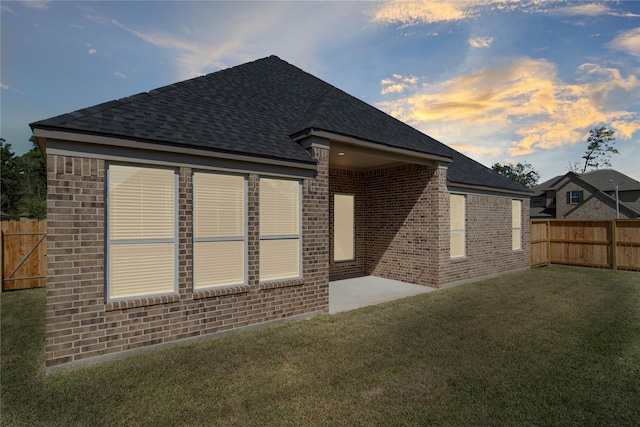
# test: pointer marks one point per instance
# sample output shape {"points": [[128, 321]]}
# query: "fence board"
{"points": [[539, 234], [611, 244], [23, 254]]}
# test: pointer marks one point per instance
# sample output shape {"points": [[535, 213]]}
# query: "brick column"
{"points": [[253, 229], [439, 242], [185, 231], [315, 231], [75, 258]]}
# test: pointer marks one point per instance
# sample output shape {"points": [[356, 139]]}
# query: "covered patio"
{"points": [[385, 214]]}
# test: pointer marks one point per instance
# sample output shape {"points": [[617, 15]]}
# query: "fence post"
{"points": [[614, 245], [548, 227]]}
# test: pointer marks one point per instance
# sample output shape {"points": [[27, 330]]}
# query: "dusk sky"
{"points": [[499, 80]]}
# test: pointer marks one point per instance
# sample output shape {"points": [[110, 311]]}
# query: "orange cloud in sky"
{"points": [[408, 13], [411, 13], [524, 99]]}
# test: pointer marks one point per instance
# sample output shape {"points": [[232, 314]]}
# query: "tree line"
{"points": [[23, 187]]}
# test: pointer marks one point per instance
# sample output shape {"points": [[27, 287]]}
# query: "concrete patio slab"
{"points": [[359, 292]]}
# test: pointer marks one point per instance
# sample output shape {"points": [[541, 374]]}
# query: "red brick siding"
{"points": [[402, 228], [79, 323], [488, 240], [403, 223]]}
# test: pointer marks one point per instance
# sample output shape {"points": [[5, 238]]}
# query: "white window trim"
{"points": [[109, 242], [243, 238], [513, 229], [284, 236], [353, 240], [462, 231]]}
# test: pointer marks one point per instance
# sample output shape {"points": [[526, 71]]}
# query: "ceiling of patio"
{"points": [[345, 157]]}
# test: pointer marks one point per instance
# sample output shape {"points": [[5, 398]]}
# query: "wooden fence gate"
{"points": [[613, 244], [24, 247]]}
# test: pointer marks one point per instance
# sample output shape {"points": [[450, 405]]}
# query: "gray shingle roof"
{"points": [[255, 109], [607, 179], [550, 184]]}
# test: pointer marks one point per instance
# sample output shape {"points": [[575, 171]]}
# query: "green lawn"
{"points": [[549, 346]]}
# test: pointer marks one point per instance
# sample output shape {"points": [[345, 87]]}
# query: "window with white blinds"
{"points": [[141, 231], [457, 225], [343, 227], [280, 235], [516, 224], [220, 238]]}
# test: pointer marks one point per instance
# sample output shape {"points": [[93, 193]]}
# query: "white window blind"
{"points": [[343, 227], [141, 231], [219, 229], [279, 229], [457, 225], [516, 224], [279, 259], [279, 207], [141, 203], [142, 269]]}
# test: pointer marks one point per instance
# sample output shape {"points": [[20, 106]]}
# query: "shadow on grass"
{"points": [[547, 346]]}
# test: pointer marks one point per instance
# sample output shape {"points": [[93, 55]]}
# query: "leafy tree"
{"points": [[9, 194], [522, 173], [600, 146], [24, 182]]}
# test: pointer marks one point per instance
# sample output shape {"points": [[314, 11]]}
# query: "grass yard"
{"points": [[549, 346]]}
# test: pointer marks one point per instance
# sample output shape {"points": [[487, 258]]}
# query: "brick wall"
{"points": [[489, 240], [402, 228], [403, 223], [80, 325]]}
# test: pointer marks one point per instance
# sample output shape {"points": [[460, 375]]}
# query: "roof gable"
{"points": [[255, 109]]}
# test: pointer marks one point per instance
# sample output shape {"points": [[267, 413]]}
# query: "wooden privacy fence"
{"points": [[23, 245], [613, 244]]}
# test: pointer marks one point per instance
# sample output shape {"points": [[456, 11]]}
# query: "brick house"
{"points": [[591, 195], [232, 200]]}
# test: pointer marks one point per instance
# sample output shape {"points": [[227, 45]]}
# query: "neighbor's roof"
{"points": [[607, 179], [549, 185], [602, 179], [255, 109]]}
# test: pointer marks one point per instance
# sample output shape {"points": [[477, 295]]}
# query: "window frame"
{"points": [[462, 231], [281, 237], [516, 227], [353, 227], [244, 238], [578, 193], [109, 243]]}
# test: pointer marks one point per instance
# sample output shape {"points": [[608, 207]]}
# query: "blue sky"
{"points": [[499, 80]]}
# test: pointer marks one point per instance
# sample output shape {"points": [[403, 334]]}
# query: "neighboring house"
{"points": [[590, 195], [234, 198]]}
